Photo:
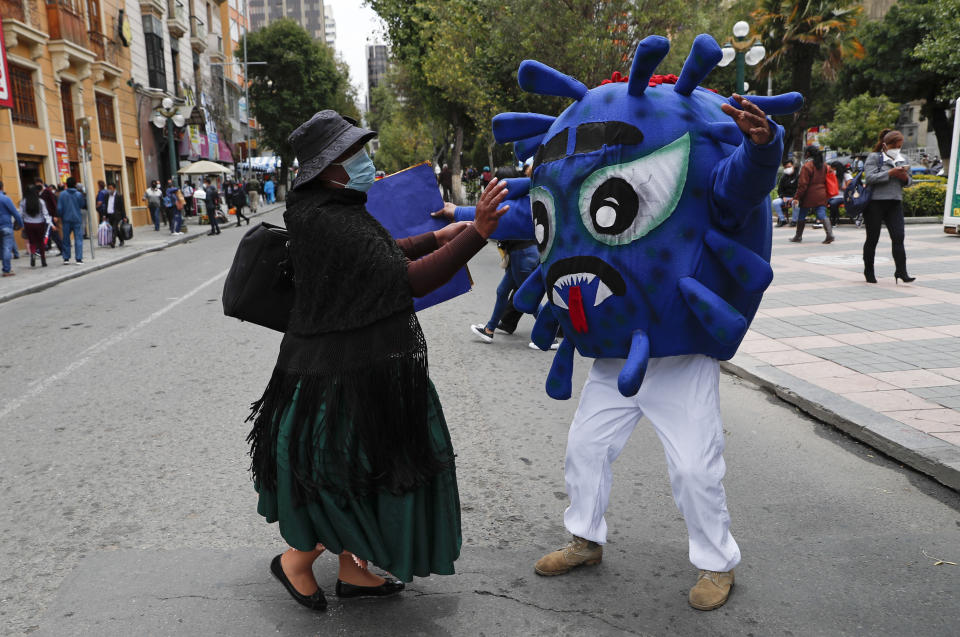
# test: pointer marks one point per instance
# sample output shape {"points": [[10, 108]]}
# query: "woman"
{"points": [[812, 193], [886, 172], [35, 221], [843, 180], [350, 451]]}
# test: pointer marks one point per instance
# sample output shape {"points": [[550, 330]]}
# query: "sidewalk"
{"points": [[881, 362], [145, 240]]}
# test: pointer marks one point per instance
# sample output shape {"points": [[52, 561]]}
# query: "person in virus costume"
{"points": [[651, 210]]}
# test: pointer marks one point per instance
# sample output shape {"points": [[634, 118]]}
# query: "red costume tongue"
{"points": [[577, 315]]}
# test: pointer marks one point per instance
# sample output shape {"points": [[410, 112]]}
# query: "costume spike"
{"points": [[535, 77], [631, 376], [704, 55], [526, 148], [518, 186], [528, 296], [511, 127], [544, 328], [721, 320], [774, 104], [746, 267], [649, 55], [724, 132], [559, 383]]}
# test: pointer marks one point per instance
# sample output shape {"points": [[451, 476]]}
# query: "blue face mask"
{"points": [[361, 170]]}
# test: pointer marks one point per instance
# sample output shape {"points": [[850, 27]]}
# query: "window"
{"points": [[108, 128], [153, 38], [24, 101], [175, 64]]}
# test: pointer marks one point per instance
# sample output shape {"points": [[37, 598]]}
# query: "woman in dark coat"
{"points": [[812, 193], [350, 450]]}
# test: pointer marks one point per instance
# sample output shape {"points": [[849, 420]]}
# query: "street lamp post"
{"points": [[166, 116], [744, 51]]}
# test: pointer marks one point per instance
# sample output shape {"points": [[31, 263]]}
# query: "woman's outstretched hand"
{"points": [[488, 215], [446, 234]]}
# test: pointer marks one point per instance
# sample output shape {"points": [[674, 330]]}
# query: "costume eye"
{"points": [[544, 218], [623, 202]]}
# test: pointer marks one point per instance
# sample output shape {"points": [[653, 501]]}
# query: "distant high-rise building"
{"points": [[329, 26], [307, 13], [377, 62]]}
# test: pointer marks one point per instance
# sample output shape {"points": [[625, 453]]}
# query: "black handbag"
{"points": [[126, 230], [259, 287]]}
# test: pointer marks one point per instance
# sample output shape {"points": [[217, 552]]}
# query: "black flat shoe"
{"points": [[314, 602], [389, 587]]}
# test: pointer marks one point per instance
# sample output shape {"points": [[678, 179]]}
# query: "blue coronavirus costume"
{"points": [[652, 216]]}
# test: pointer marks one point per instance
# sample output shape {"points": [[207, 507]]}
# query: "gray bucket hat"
{"points": [[321, 139]]}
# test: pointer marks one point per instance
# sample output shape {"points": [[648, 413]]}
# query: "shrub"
{"points": [[924, 199], [938, 179]]}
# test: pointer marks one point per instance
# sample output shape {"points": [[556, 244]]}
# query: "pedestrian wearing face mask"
{"points": [[786, 189], [351, 453], [812, 193], [887, 172]]}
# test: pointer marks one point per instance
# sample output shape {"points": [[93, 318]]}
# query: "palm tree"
{"points": [[799, 33]]}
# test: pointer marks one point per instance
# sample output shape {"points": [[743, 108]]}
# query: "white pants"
{"points": [[680, 396]]}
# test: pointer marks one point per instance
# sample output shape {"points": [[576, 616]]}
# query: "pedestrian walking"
{"points": [[446, 182], [179, 205], [350, 450], [210, 201], [236, 197], [154, 197], [786, 191], [10, 221], [70, 205], [35, 217], [100, 198], [188, 208], [269, 189], [200, 198], [115, 213], [886, 171], [253, 193], [49, 195], [170, 197], [812, 193]]}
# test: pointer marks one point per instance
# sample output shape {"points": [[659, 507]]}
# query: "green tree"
{"points": [[939, 52], [896, 65], [859, 121], [799, 34], [301, 76]]}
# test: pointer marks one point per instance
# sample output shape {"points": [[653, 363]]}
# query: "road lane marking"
{"points": [[39, 387]]}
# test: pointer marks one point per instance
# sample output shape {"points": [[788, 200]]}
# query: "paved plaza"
{"points": [[888, 354]]}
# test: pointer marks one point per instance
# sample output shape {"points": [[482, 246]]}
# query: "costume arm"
{"points": [[435, 269], [418, 245], [744, 180], [515, 225]]}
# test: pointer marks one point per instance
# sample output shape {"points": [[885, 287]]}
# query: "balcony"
{"points": [[154, 7], [177, 23], [198, 34], [67, 24], [21, 26], [106, 68], [216, 47]]}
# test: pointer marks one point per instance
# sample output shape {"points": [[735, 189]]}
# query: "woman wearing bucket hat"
{"points": [[350, 450]]}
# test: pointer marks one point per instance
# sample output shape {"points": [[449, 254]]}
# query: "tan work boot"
{"points": [[711, 590], [579, 552]]}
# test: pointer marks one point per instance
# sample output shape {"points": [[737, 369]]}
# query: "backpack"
{"points": [[167, 201]]}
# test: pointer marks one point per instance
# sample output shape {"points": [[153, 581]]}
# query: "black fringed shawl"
{"points": [[355, 352]]}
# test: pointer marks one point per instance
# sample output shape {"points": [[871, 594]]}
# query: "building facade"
{"points": [[307, 13], [378, 60], [68, 67]]}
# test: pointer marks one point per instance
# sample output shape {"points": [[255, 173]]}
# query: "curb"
{"points": [[925, 453], [88, 269]]}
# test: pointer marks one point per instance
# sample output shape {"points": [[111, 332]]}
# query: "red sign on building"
{"points": [[6, 97]]}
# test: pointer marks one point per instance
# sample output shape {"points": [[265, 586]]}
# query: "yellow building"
{"points": [[68, 60]]}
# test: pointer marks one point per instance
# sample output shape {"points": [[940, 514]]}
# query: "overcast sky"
{"points": [[357, 25]]}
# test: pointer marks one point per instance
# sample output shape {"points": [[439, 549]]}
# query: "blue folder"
{"points": [[402, 202]]}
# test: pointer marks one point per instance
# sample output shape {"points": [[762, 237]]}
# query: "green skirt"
{"points": [[415, 533]]}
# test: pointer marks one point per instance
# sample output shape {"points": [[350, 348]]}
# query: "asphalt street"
{"points": [[127, 508]]}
